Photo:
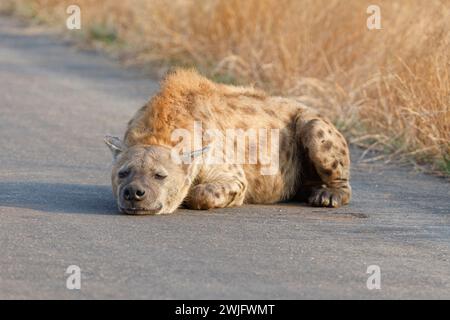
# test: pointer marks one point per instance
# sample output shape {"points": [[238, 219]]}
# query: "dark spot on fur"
{"points": [[273, 125], [209, 189], [232, 106], [270, 112], [335, 164], [320, 134], [327, 172], [327, 145], [217, 195], [204, 115], [329, 131], [344, 152], [249, 110], [242, 125]]}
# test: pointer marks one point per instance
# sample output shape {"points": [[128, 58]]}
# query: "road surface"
{"points": [[57, 210]]}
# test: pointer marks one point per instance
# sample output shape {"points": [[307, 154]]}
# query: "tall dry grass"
{"points": [[388, 89]]}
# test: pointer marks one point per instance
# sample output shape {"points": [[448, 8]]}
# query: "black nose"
{"points": [[133, 193]]}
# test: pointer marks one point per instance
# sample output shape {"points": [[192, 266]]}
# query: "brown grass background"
{"points": [[388, 89]]}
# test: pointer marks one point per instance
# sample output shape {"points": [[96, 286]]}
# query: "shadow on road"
{"points": [[58, 197]]}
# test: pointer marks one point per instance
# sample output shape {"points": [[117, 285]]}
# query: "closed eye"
{"points": [[123, 173], [160, 176]]}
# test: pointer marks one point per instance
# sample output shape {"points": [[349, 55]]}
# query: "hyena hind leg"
{"points": [[326, 165]]}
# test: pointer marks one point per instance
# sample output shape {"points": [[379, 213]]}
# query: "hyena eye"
{"points": [[160, 176], [123, 173]]}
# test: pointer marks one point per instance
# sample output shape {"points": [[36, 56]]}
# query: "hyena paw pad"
{"points": [[328, 197]]}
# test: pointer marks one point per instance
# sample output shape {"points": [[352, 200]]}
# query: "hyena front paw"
{"points": [[329, 197], [206, 196]]}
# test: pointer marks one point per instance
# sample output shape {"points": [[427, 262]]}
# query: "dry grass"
{"points": [[387, 89]]}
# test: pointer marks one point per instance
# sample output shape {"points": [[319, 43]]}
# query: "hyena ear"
{"points": [[195, 158], [115, 145], [196, 155]]}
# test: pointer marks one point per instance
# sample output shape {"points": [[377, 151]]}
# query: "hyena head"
{"points": [[146, 180]]}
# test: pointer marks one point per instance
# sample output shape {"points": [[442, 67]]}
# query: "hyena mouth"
{"points": [[141, 211]]}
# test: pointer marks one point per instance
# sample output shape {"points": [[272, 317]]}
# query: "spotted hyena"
{"points": [[312, 161]]}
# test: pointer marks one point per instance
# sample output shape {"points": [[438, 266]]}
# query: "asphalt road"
{"points": [[56, 206]]}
